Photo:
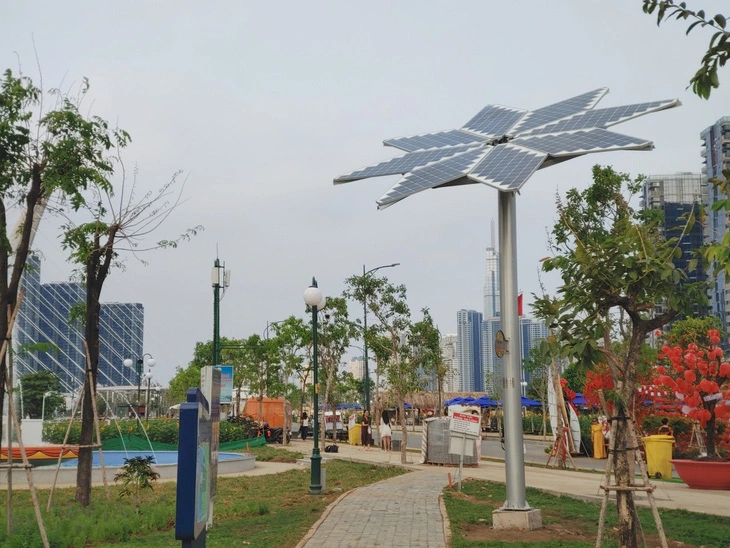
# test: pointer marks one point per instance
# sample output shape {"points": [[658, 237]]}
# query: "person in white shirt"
{"points": [[385, 431]]}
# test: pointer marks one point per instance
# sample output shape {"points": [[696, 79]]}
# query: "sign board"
{"points": [[226, 383], [463, 423], [193, 470], [500, 343], [210, 385]]}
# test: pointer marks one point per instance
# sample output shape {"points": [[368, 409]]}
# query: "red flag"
{"points": [[519, 304]]}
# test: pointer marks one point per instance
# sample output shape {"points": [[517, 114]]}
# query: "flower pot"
{"points": [[702, 474]]}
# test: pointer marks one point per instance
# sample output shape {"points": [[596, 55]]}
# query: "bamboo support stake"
{"points": [[63, 445], [29, 474]]}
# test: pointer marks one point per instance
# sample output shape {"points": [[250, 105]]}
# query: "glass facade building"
{"points": [[716, 157], [469, 350], [46, 338]]}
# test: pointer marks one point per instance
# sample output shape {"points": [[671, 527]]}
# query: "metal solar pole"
{"points": [[513, 440]]}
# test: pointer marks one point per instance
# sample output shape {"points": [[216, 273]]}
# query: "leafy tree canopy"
{"points": [[35, 385], [718, 51]]}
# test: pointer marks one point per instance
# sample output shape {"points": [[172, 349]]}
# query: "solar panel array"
{"points": [[503, 146]]}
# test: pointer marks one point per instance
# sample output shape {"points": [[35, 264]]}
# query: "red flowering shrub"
{"points": [[700, 379]]}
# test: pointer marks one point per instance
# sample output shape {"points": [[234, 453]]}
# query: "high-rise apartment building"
{"points": [[469, 350], [531, 332], [452, 378], [357, 367], [677, 196], [715, 158], [44, 317]]}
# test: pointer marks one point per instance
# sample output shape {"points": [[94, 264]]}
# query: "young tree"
{"points": [[389, 337], [292, 338], [112, 222], [538, 365], [35, 386], [58, 152], [615, 267], [334, 336], [260, 369]]}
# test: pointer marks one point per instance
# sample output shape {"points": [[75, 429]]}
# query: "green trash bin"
{"points": [[658, 455]]}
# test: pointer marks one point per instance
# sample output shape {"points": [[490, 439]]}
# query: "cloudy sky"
{"points": [[262, 104]]}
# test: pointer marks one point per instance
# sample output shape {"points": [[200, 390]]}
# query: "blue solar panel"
{"points": [[494, 120], [503, 146], [403, 164], [556, 111], [605, 117], [593, 140], [433, 175], [439, 139], [507, 167]]}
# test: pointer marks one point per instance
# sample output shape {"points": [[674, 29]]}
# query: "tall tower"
{"points": [[715, 157], [491, 280], [469, 350]]}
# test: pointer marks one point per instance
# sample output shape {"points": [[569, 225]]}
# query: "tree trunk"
{"points": [[710, 429], [404, 429], [83, 472]]}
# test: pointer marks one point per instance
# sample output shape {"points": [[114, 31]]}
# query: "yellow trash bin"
{"points": [[658, 455], [354, 435]]}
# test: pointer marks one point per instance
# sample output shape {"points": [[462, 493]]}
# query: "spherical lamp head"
{"points": [[323, 303], [151, 362], [313, 296], [128, 363]]}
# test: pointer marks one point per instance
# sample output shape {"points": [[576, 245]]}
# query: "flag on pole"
{"points": [[519, 304]]}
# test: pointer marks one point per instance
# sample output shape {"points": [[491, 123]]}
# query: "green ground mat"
{"points": [[135, 443]]}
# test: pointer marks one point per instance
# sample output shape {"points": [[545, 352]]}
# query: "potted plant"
{"points": [[698, 376]]}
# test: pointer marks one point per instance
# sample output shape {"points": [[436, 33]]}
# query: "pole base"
{"points": [[524, 520]]}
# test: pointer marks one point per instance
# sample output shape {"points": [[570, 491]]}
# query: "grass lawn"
{"points": [[568, 522], [261, 511]]}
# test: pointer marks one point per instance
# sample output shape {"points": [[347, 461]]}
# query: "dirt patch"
{"points": [[555, 529]]}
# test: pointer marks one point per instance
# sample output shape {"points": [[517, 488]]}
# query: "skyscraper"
{"points": [[469, 350], [45, 317], [715, 158], [491, 281]]}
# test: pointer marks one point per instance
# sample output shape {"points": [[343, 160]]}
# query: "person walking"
{"points": [[365, 431], [385, 431], [304, 426]]}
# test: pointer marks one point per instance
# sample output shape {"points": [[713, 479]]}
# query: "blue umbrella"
{"points": [[467, 399], [527, 402], [484, 401], [407, 405], [453, 401]]}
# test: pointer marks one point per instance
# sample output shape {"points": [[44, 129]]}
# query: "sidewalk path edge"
{"points": [[445, 520], [313, 528]]}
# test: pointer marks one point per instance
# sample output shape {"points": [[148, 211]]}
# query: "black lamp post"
{"points": [[316, 300], [364, 330], [139, 366]]}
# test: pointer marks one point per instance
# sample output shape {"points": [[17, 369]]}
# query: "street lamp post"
{"points": [[43, 407], [140, 363], [364, 330], [314, 297], [148, 376]]}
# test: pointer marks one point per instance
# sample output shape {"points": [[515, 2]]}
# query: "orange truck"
{"points": [[271, 410]]}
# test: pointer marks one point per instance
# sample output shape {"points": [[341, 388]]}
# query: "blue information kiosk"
{"points": [[194, 470]]}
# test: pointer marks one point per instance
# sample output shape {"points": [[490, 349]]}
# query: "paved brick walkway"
{"points": [[398, 512]]}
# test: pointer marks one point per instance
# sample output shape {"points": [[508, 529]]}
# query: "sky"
{"points": [[263, 104]]}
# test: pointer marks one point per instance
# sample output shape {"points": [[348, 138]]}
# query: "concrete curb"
{"points": [[445, 520]]}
